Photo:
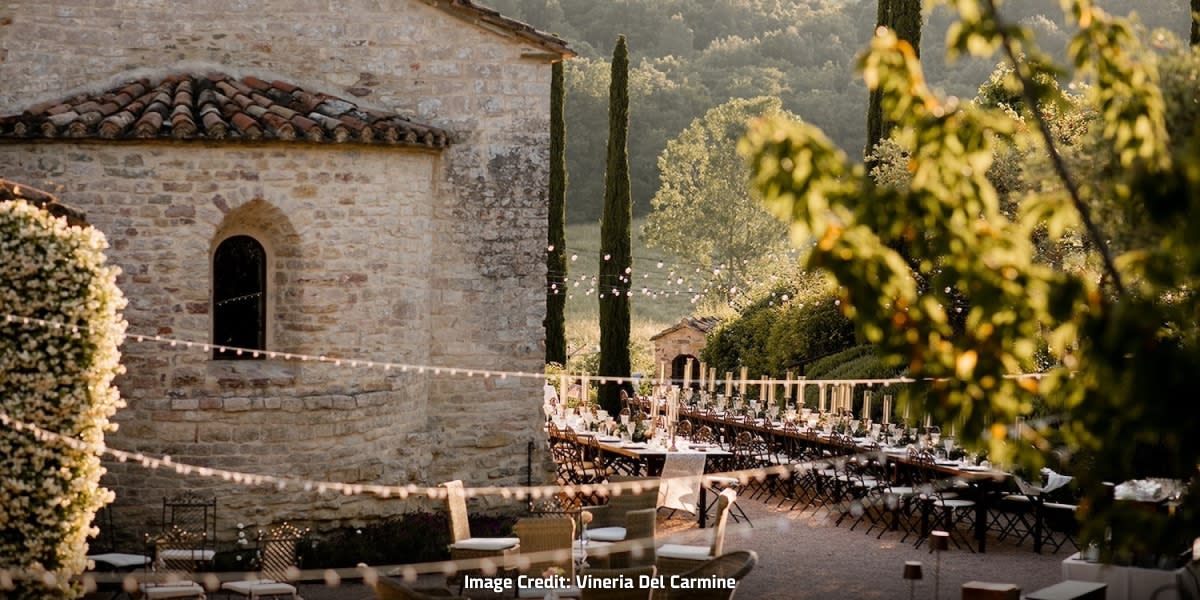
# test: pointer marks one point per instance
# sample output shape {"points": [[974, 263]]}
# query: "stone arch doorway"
{"points": [[679, 365]]}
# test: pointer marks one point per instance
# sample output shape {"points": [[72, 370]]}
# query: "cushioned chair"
{"points": [[546, 542], [634, 574], [734, 565], [678, 558], [175, 556], [196, 514], [277, 560], [462, 545]]}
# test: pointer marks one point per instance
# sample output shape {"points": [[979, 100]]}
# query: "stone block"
{"points": [[238, 404]]}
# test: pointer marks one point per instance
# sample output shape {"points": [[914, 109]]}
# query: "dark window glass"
{"points": [[239, 297]]}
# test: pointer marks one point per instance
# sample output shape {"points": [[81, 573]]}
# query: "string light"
{"points": [[438, 369]]}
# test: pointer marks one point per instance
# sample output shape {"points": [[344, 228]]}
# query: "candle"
{"points": [[562, 387], [771, 392], [712, 379], [800, 400], [787, 386], [866, 412], [928, 420], [887, 409], [728, 384], [586, 384], [687, 374], [742, 382], [821, 399], [703, 373]]}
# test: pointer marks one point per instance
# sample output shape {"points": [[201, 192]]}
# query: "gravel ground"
{"points": [[802, 555]]}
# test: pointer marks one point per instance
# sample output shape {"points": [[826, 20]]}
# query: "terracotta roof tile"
{"points": [[216, 107]]}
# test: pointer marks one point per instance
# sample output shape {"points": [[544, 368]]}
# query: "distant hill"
{"points": [[691, 55]]}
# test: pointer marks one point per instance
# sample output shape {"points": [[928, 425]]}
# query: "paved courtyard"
{"points": [[801, 555]]}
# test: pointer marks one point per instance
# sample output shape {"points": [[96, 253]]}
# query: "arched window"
{"points": [[239, 296]]}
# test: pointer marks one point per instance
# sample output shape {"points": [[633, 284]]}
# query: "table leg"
{"points": [[702, 508], [1038, 523], [981, 511]]}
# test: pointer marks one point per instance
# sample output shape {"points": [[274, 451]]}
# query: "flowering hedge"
{"points": [[58, 378]]}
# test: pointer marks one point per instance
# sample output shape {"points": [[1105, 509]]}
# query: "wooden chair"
{"points": [[734, 565], [277, 562], [632, 573], [462, 545], [549, 542], [678, 558], [175, 558]]}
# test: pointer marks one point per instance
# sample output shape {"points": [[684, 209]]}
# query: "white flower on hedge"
{"points": [[59, 379]]}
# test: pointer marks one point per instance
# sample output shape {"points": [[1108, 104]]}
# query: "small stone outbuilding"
{"points": [[355, 179], [684, 340]]}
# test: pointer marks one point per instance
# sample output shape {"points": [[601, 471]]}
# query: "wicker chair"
{"points": [[277, 556], [387, 588], [628, 517], [734, 565], [552, 539], [678, 558], [633, 573]]}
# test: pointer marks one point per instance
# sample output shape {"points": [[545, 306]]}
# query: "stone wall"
{"points": [[385, 254], [681, 341]]}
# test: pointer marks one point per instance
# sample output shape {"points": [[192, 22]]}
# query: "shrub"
{"points": [[414, 537], [58, 378], [780, 332]]}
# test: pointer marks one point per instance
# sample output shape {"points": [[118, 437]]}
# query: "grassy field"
{"points": [[649, 315]]}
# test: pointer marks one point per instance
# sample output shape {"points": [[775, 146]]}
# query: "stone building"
{"points": [[347, 178], [684, 340]]}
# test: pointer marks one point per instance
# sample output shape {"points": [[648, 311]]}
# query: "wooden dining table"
{"points": [[646, 460], [986, 482]]}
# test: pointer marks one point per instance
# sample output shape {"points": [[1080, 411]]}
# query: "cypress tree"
{"points": [[615, 254], [1196, 22], [904, 18], [556, 241]]}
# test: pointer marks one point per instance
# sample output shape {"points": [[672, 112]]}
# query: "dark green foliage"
{"points": [[1195, 22], [773, 336], [556, 255], [410, 538], [615, 240], [903, 17]]}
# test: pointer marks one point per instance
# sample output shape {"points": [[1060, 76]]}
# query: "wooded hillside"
{"points": [[688, 56]]}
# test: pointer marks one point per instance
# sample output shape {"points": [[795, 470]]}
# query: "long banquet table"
{"points": [[986, 481], [640, 459]]}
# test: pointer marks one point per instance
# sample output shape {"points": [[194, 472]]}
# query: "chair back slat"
{"points": [[456, 502], [726, 500]]}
